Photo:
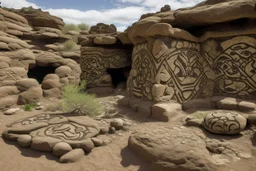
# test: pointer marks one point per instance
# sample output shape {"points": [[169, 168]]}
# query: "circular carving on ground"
{"points": [[67, 131], [41, 118]]}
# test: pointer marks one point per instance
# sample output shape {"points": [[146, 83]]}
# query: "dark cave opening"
{"points": [[40, 72], [118, 75]]}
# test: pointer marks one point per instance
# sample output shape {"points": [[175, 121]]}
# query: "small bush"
{"points": [[70, 27], [29, 107], [69, 45], [77, 101], [83, 27]]}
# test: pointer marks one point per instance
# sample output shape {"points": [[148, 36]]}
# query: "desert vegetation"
{"points": [[83, 27], [69, 45], [29, 107], [76, 100], [73, 27]]}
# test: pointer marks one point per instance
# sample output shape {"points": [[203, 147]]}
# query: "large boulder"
{"points": [[8, 101], [172, 148], [25, 84], [8, 90]]}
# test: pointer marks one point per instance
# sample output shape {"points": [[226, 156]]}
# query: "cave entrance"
{"points": [[40, 72], [118, 75]]}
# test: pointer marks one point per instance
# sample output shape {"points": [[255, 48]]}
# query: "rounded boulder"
{"points": [[63, 71], [72, 156], [117, 123], [24, 140], [223, 122], [61, 148]]}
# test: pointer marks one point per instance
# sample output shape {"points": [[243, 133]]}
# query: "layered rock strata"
{"points": [[28, 49]]}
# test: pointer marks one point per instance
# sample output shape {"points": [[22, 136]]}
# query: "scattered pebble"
{"points": [[39, 107], [112, 130], [11, 111], [97, 142], [104, 130], [117, 123]]}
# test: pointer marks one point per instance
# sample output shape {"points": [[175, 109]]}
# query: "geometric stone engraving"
{"points": [[235, 68], [95, 61], [66, 131], [46, 130], [178, 65], [223, 122], [142, 75]]}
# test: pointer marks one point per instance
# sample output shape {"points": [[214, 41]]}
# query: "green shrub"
{"points": [[83, 27], [29, 107], [69, 45], [70, 27], [77, 101]]}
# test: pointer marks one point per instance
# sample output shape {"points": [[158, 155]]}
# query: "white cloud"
{"points": [[175, 4], [131, 1], [121, 17], [121, 28], [17, 3]]}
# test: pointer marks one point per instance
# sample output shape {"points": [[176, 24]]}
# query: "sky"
{"points": [[122, 13]]}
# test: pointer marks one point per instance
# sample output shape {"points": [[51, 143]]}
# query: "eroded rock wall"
{"points": [[178, 60], [182, 70], [24, 45], [102, 50]]}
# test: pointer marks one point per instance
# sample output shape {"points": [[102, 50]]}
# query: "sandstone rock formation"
{"points": [[103, 57], [194, 57], [180, 148], [27, 37]]}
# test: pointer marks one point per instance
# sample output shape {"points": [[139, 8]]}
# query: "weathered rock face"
{"points": [[24, 53], [96, 61], [38, 18], [103, 56], [174, 148], [194, 57]]}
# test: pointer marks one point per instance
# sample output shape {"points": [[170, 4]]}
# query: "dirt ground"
{"points": [[116, 156]]}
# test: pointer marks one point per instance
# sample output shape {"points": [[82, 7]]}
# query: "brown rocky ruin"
{"points": [[105, 60], [194, 69], [30, 56], [178, 55]]}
